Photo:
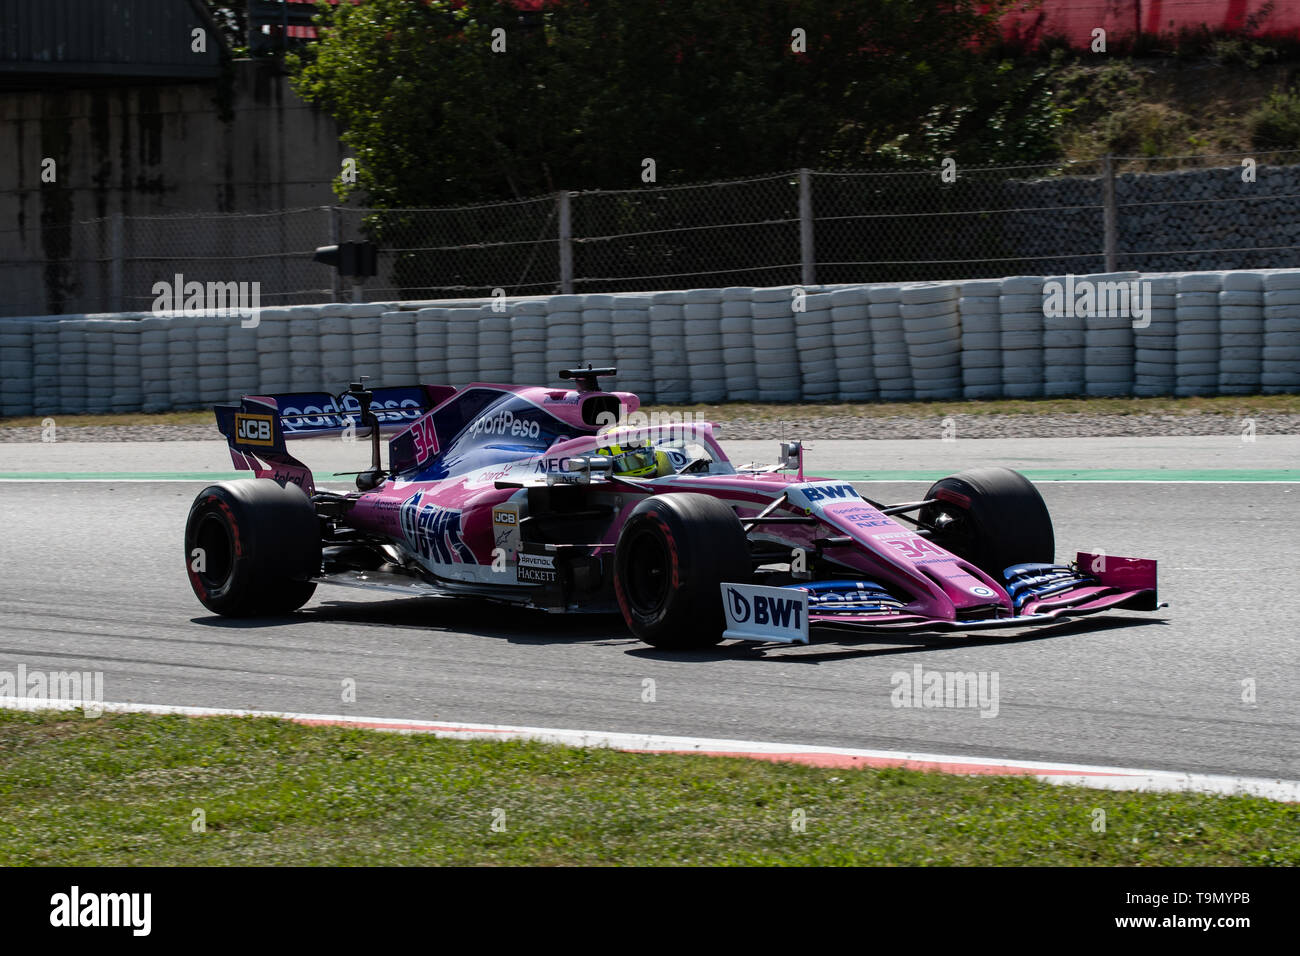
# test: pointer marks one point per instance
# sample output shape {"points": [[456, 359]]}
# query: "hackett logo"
{"points": [[74, 908]]}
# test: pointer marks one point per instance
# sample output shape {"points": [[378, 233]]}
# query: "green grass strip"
{"points": [[122, 790]]}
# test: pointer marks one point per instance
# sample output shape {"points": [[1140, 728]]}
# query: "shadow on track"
{"points": [[523, 626], [830, 644], [438, 615]]}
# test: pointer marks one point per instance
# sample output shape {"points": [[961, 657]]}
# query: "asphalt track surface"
{"points": [[92, 578]]}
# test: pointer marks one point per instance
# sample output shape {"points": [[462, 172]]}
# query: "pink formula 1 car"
{"points": [[540, 497]]}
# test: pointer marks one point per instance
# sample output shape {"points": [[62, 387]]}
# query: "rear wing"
{"points": [[257, 427], [322, 415]]}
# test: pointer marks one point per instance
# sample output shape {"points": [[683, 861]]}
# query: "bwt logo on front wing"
{"points": [[254, 429], [765, 610]]}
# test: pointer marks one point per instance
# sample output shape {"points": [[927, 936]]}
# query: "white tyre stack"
{"points": [[46, 369], [127, 395], [242, 369], [1064, 340], [212, 359], [1108, 336], [182, 361], [932, 328], [818, 375], [274, 367], [889, 355], [630, 320], [99, 366], [16, 366], [1241, 333], [668, 340], [335, 331], [701, 325], [462, 346], [1197, 341], [776, 361], [1280, 368], [598, 333], [397, 348], [528, 343], [155, 381], [978, 305], [1021, 336], [851, 333], [306, 372], [563, 336], [364, 319], [431, 346], [495, 363], [72, 365], [737, 335], [1155, 369]]}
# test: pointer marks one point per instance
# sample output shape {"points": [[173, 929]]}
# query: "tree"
{"points": [[584, 92]]}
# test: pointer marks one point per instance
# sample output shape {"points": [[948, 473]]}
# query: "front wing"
{"points": [[1039, 593]]}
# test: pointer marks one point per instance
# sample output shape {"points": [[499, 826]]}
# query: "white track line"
{"points": [[1103, 778]]}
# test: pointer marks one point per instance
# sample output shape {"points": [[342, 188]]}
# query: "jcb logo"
{"points": [[504, 517], [254, 429]]}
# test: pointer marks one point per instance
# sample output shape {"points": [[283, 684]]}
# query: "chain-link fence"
{"points": [[1146, 213]]}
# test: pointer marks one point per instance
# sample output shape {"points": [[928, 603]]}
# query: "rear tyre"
{"points": [[251, 547], [672, 555], [992, 517]]}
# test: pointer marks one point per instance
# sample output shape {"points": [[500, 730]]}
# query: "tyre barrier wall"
{"points": [[1206, 333]]}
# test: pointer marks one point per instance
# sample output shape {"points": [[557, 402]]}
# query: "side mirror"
{"points": [[792, 454]]}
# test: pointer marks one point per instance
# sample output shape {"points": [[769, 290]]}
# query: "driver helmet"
{"points": [[631, 461]]}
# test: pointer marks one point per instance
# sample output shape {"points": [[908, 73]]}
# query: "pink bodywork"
{"points": [[946, 587]]}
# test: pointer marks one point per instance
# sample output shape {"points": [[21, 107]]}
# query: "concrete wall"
{"points": [[244, 144]]}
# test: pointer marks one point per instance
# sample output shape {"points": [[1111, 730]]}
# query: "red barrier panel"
{"points": [[1124, 19]]}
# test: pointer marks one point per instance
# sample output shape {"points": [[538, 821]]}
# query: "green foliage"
{"points": [[707, 88], [1242, 52], [1276, 122]]}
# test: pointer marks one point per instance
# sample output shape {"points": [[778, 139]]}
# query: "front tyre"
{"points": [[251, 548], [993, 517], [672, 555]]}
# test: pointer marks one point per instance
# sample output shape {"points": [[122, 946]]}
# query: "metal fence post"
{"points": [[332, 226], [807, 254], [1110, 214], [116, 267], [566, 243]]}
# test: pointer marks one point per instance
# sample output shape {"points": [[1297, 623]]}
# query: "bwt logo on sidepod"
{"points": [[434, 532], [777, 612]]}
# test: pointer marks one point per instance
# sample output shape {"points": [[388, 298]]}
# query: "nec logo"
{"points": [[254, 429], [778, 612], [828, 492]]}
